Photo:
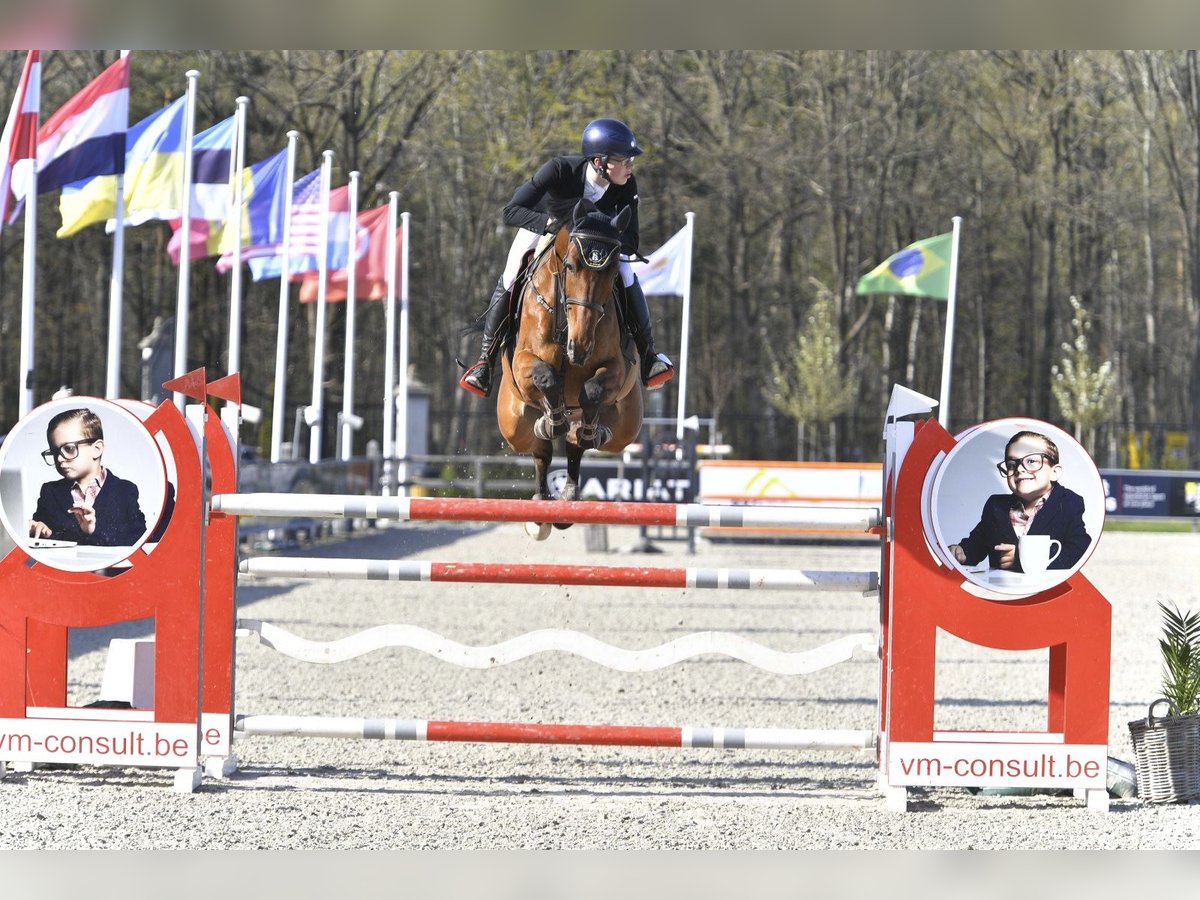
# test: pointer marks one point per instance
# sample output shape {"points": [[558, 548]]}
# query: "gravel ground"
{"points": [[308, 793]]}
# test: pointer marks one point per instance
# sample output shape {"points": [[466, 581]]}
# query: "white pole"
{"points": [[348, 356], [318, 409], [237, 176], [28, 283], [402, 393], [185, 237], [116, 284], [948, 349], [281, 329], [112, 384], [389, 339], [685, 326]]}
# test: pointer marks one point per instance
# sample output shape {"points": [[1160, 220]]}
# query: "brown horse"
{"points": [[571, 375]]}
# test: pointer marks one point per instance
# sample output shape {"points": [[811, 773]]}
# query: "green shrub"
{"points": [[1180, 646]]}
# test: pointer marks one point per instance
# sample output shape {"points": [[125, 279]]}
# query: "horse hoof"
{"points": [[539, 531]]}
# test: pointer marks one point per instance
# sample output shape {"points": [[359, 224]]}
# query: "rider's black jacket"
{"points": [[555, 189]]}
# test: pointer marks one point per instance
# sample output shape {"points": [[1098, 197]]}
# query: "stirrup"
{"points": [[659, 373], [471, 380]]}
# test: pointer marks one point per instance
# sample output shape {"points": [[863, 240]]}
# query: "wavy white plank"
{"points": [[577, 643]]}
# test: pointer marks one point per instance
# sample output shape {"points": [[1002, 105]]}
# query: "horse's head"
{"points": [[590, 265]]}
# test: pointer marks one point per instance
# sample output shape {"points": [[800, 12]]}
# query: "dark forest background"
{"points": [[1076, 174]]}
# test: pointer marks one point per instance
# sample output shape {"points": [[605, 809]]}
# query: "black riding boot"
{"points": [[657, 369], [478, 378]]}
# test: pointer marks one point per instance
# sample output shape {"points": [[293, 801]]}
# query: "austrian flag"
{"points": [[19, 140]]}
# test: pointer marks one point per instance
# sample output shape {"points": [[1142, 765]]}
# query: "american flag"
{"points": [[306, 215], [306, 232]]}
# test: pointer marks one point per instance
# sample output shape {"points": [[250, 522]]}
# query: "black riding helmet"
{"points": [[609, 137]]}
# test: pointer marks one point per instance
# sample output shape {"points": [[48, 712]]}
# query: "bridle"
{"points": [[597, 251]]}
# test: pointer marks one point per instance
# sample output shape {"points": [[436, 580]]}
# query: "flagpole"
{"points": [[31, 85], [116, 286], [948, 348], [28, 283], [389, 340], [402, 392], [316, 409], [348, 357], [281, 329], [112, 384], [237, 178], [685, 327], [185, 235]]}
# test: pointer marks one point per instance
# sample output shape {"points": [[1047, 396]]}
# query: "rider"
{"points": [[603, 174]]}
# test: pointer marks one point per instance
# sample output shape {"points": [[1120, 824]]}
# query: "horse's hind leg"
{"points": [[570, 490], [543, 455]]}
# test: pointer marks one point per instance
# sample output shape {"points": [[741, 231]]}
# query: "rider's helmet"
{"points": [[609, 137]]}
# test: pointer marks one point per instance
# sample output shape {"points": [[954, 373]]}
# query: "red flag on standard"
{"points": [[370, 276], [19, 140]]}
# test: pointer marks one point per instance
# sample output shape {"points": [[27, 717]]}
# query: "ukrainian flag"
{"points": [[922, 269], [153, 168]]}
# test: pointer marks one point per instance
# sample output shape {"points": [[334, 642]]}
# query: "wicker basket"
{"points": [[1167, 752]]}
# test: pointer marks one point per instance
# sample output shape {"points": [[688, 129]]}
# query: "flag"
{"points": [[263, 249], [212, 192], [370, 274], [86, 137], [307, 215], [19, 140], [667, 270], [153, 171], [154, 180], [264, 190], [922, 269], [306, 234]]}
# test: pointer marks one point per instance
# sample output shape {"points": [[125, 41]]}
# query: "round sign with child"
{"points": [[83, 485], [1016, 506]]}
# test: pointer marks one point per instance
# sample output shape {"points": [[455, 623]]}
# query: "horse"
{"points": [[571, 374]]}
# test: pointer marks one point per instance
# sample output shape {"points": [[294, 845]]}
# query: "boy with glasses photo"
{"points": [[89, 504], [1038, 504], [603, 174]]}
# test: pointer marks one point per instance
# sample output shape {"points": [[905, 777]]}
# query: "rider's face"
{"points": [[619, 169]]}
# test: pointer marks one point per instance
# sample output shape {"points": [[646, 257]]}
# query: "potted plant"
{"points": [[1167, 747]]}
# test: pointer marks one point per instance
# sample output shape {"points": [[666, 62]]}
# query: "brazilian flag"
{"points": [[922, 269]]}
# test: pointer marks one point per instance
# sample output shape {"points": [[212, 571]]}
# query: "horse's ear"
{"points": [[579, 212], [622, 219]]}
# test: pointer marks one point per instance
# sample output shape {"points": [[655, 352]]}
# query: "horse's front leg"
{"points": [[554, 422], [598, 390]]}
